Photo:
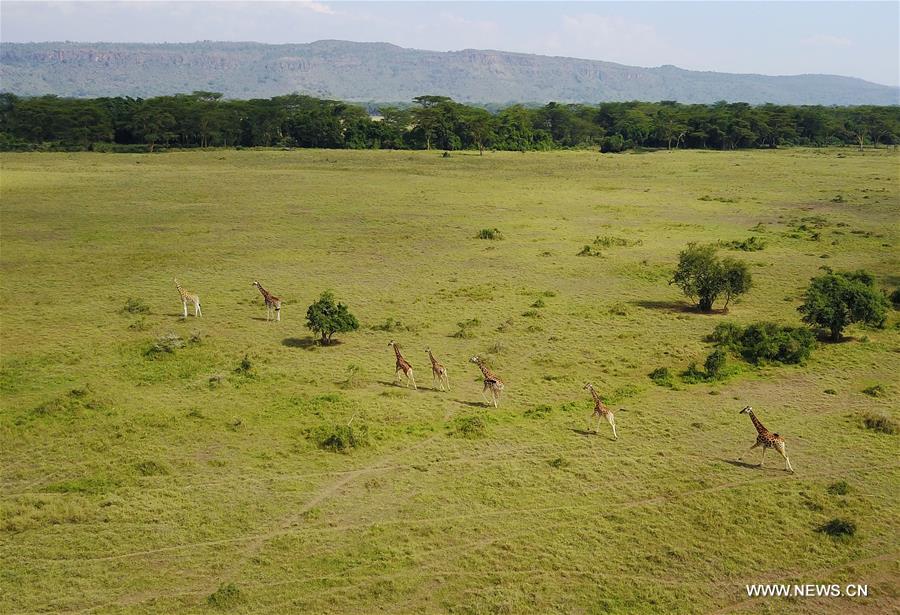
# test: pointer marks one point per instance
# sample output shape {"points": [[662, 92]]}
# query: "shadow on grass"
{"points": [[302, 342], [751, 466], [473, 404], [676, 306]]}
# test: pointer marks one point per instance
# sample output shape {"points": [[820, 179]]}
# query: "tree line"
{"points": [[205, 119]]}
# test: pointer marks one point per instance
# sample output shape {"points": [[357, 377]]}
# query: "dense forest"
{"points": [[205, 119]]}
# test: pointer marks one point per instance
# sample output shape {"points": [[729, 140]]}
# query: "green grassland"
{"points": [[142, 482]]}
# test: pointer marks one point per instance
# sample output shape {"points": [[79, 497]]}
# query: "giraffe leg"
{"points": [[278, 314], [612, 422], [413, 380], [184, 303], [762, 459], [787, 462], [748, 450], [483, 396], [397, 376], [447, 381]]}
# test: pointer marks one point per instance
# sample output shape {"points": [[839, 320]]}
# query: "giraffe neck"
{"points": [[757, 424], [262, 291], [484, 370], [181, 291], [431, 356], [594, 395], [397, 352]]}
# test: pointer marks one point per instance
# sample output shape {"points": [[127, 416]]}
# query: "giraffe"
{"points": [[188, 297], [438, 372], [491, 381], [271, 302], [766, 439], [601, 411], [403, 366]]}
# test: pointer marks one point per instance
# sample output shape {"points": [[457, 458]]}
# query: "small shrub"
{"points": [[339, 438], [608, 241], [492, 234], [227, 596], [165, 344], [880, 423], [751, 244], [136, 306], [88, 486], [151, 468], [693, 374], [838, 528], [559, 463], [352, 379], [876, 390], [531, 314], [619, 309], [895, 298], [621, 393], [245, 367], [469, 427], [389, 325], [465, 328], [138, 325], [589, 251], [764, 342], [661, 376], [539, 303], [715, 364], [839, 488], [538, 412]]}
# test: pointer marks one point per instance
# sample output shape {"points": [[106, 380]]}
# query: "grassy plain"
{"points": [[179, 482]]}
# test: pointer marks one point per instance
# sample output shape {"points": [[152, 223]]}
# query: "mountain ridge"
{"points": [[381, 71]]}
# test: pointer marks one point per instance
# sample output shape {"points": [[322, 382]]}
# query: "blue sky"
{"points": [[858, 39]]}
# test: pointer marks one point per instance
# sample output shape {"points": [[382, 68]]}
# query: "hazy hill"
{"points": [[383, 72]]}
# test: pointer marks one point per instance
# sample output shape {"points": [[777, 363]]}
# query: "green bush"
{"points": [[492, 234], [880, 423], [227, 596], [589, 251], [339, 438], [703, 277], [876, 390], [839, 487], [693, 374], [663, 377], [715, 364], [837, 299], [751, 244], [765, 342], [165, 344], [136, 306], [538, 412], [465, 328], [325, 318], [469, 427], [838, 528]]}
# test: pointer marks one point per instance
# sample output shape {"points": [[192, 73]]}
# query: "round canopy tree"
{"points": [[704, 277], [837, 299], [325, 318]]}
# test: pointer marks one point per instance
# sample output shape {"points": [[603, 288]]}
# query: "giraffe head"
{"points": [[393, 343], [476, 360], [746, 410], [588, 386], [255, 283], [428, 350]]}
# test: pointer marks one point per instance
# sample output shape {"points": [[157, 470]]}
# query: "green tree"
{"points": [[703, 277], [838, 299], [325, 318]]}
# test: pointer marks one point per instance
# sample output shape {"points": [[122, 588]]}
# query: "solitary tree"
{"points": [[325, 318], [837, 299], [703, 277]]}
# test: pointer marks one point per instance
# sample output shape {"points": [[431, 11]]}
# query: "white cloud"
{"points": [[827, 40], [608, 37]]}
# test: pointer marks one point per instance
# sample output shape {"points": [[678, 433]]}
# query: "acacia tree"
{"points": [[325, 318], [838, 299], [703, 277]]}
